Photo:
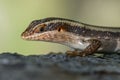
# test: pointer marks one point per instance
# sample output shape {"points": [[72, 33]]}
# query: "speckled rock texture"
{"points": [[58, 66]]}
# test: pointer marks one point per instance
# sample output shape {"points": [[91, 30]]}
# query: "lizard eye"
{"points": [[41, 29]]}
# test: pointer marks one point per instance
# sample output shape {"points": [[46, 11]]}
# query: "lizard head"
{"points": [[51, 30]]}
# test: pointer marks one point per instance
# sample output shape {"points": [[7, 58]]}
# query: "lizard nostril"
{"points": [[25, 34]]}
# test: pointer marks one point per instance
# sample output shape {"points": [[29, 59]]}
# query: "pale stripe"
{"points": [[73, 23]]}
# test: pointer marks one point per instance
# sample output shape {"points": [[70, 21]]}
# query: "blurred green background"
{"points": [[15, 16]]}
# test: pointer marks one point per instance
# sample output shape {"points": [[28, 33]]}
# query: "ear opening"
{"points": [[59, 29]]}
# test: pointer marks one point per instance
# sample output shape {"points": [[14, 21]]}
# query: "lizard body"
{"points": [[84, 38]]}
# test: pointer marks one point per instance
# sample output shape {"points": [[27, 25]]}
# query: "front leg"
{"points": [[93, 47]]}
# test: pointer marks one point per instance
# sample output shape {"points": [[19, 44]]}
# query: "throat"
{"points": [[78, 45]]}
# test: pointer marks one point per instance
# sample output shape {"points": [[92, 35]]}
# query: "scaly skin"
{"points": [[84, 38]]}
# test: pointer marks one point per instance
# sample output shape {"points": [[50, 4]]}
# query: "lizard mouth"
{"points": [[26, 35], [29, 36], [45, 36], [49, 36]]}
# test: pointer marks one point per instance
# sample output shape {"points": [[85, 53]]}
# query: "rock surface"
{"points": [[59, 67]]}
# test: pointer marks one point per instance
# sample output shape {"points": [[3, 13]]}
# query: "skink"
{"points": [[85, 39]]}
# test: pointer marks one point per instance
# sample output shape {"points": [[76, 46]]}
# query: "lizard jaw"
{"points": [[64, 38]]}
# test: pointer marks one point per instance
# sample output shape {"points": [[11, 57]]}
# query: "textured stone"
{"points": [[58, 66]]}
